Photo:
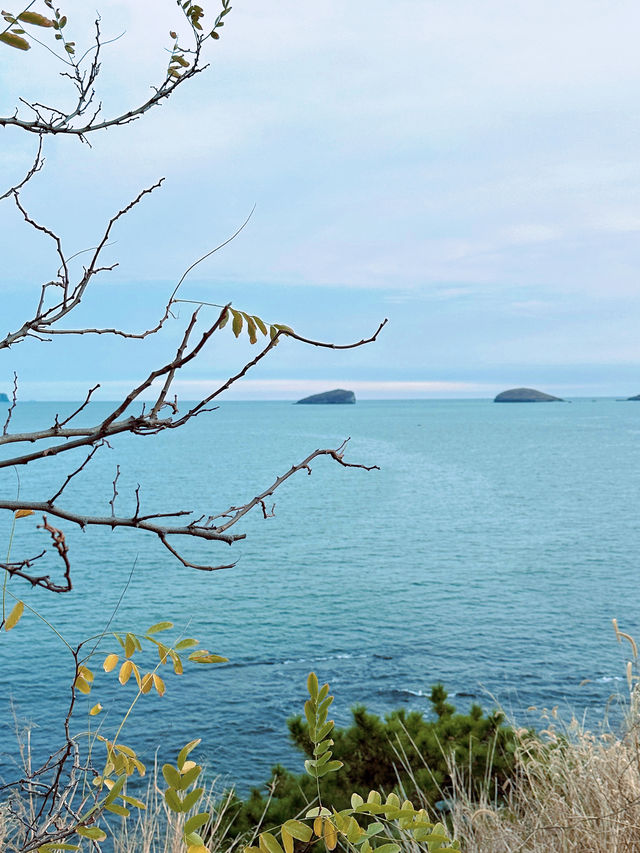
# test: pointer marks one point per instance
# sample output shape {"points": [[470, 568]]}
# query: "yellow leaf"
{"points": [[125, 672], [95, 710], [86, 673], [23, 513], [330, 835], [147, 683], [317, 827], [110, 662], [158, 683], [197, 848], [14, 617], [82, 685], [287, 841]]}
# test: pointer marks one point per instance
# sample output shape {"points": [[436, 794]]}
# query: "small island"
{"points": [[3, 398], [526, 395], [339, 395], [637, 397]]}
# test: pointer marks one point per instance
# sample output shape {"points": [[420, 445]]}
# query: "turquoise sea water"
{"points": [[490, 552]]}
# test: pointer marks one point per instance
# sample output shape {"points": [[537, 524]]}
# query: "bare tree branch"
{"points": [[14, 399], [38, 163], [41, 324]]}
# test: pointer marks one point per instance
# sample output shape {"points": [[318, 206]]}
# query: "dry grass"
{"points": [[159, 830], [581, 792]]}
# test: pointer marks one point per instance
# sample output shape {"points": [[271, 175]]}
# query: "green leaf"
{"points": [[173, 800], [251, 328], [322, 747], [237, 322], [388, 848], [21, 44], [35, 19], [54, 846], [186, 644], [117, 787], [129, 645], [310, 767], [370, 808], [196, 822], [224, 319], [331, 767], [133, 801], [310, 714], [171, 776], [312, 685], [323, 707], [184, 752], [324, 730], [119, 810], [93, 832], [189, 778], [318, 811], [298, 830], [269, 843], [159, 626], [191, 799], [260, 324]]}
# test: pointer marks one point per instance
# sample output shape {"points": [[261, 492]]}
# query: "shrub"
{"points": [[404, 752]]}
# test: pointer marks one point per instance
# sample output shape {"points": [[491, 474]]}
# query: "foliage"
{"points": [[88, 807], [359, 825], [403, 752]]}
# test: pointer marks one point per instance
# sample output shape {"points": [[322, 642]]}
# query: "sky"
{"points": [[470, 171]]}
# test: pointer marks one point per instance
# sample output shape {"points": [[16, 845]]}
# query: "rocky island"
{"points": [[525, 395], [3, 398], [637, 397], [336, 396]]}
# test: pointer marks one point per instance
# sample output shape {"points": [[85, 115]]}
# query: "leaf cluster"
{"points": [[15, 34], [180, 799], [253, 325]]}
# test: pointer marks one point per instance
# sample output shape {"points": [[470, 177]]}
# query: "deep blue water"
{"points": [[490, 552]]}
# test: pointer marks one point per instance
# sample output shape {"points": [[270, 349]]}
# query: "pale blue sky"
{"points": [[470, 170]]}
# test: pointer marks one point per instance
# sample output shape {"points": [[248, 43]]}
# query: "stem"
{"points": [[6, 571]]}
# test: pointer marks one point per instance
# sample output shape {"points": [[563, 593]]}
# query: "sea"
{"points": [[490, 553]]}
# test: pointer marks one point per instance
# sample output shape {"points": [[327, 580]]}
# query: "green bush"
{"points": [[404, 752]]}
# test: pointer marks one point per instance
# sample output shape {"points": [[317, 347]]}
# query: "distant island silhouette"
{"points": [[526, 395], [637, 397], [338, 395]]}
